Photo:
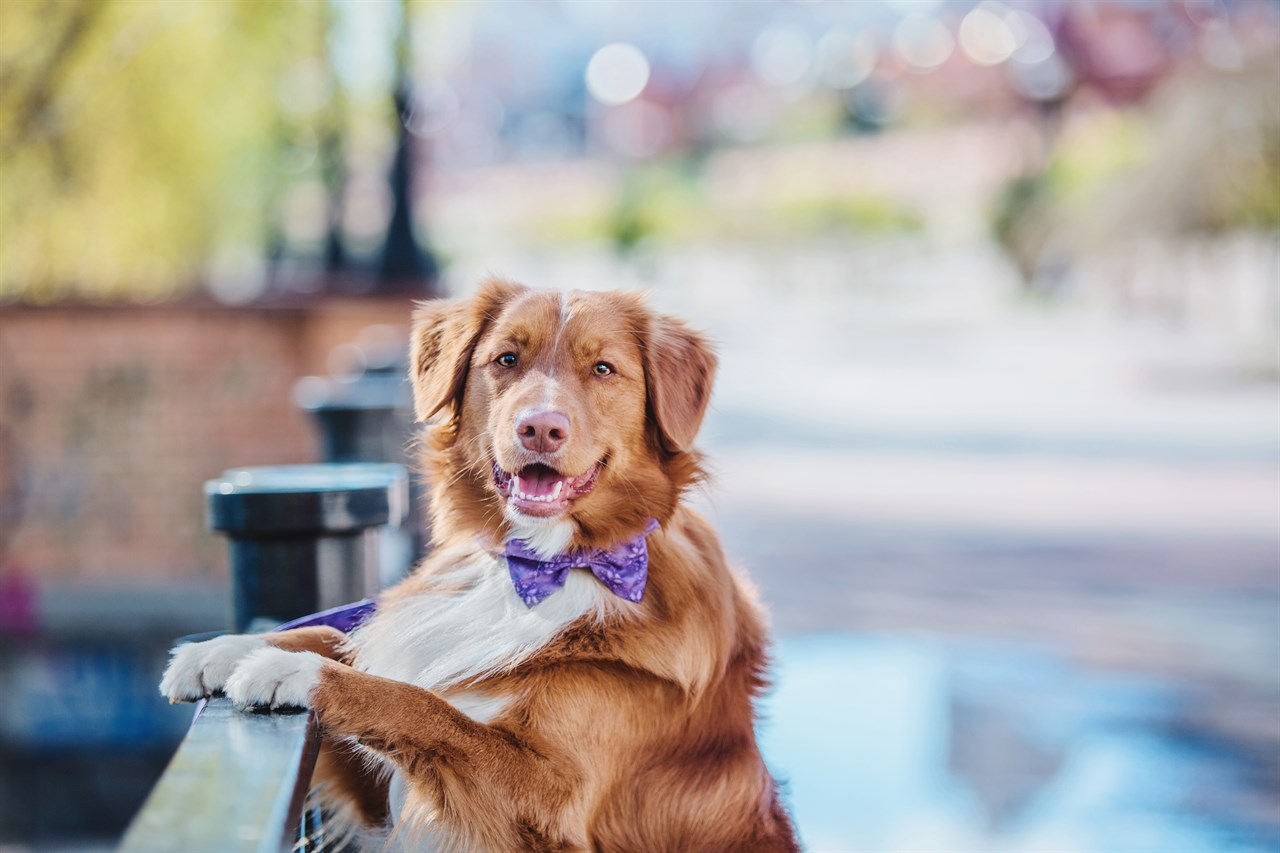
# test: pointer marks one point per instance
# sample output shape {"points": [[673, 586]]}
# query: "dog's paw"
{"points": [[197, 670], [275, 678]]}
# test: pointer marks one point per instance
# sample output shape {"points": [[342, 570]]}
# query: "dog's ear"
{"points": [[445, 332], [680, 366]]}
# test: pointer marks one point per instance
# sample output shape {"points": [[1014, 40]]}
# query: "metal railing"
{"points": [[303, 539], [236, 785]]}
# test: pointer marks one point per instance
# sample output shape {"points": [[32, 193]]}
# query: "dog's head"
{"points": [[552, 407]]}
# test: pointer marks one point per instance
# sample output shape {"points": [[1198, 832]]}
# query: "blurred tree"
{"points": [[1202, 155], [138, 137]]}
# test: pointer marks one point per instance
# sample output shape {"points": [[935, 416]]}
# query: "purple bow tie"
{"points": [[623, 569]]}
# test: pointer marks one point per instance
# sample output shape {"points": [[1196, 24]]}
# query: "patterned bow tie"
{"points": [[623, 569]]}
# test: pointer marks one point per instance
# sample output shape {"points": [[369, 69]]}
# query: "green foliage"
{"points": [[865, 213], [1201, 156], [1093, 152], [136, 136], [1017, 201], [654, 201], [1248, 186], [668, 200]]}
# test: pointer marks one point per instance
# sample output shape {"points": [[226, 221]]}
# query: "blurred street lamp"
{"points": [[404, 264]]}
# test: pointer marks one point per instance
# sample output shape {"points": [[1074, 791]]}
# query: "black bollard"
{"points": [[304, 538], [365, 419], [365, 414]]}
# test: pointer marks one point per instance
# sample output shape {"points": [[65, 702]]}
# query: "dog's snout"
{"points": [[543, 432]]}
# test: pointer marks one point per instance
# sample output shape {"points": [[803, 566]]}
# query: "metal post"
{"points": [[303, 538], [369, 418], [365, 419]]}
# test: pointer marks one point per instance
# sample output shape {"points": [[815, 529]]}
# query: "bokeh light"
{"points": [[845, 60], [781, 56], [1034, 41], [306, 87], [1044, 80], [923, 42], [432, 108], [617, 73], [985, 36], [236, 275]]}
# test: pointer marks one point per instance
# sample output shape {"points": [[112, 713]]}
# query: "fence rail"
{"points": [[236, 785]]}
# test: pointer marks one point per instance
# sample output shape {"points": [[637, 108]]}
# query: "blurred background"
{"points": [[996, 288]]}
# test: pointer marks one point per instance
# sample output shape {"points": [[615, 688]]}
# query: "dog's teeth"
{"points": [[515, 490]]}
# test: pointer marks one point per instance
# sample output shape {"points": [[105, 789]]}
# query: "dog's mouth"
{"points": [[541, 490]]}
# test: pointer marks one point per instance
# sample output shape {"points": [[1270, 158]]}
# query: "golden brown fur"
{"points": [[631, 732]]}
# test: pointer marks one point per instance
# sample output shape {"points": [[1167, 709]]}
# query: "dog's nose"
{"points": [[543, 432]]}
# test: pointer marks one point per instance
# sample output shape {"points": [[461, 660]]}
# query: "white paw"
{"points": [[275, 678], [197, 670]]}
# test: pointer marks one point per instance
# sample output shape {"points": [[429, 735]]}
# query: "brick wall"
{"points": [[112, 418]]}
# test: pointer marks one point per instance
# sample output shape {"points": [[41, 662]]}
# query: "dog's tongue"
{"points": [[538, 481]]}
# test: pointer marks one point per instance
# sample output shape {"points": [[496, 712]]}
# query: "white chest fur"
{"points": [[479, 627]]}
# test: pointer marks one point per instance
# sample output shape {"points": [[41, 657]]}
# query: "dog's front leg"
{"points": [[324, 640], [493, 787], [197, 670]]}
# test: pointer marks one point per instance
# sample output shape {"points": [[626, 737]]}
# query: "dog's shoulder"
{"points": [[693, 573], [700, 617]]}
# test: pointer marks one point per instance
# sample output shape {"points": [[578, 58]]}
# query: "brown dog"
{"points": [[533, 685]]}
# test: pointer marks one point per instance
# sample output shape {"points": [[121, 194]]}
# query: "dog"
{"points": [[574, 666]]}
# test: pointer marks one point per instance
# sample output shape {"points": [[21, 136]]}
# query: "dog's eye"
{"points": [[507, 359], [602, 368]]}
